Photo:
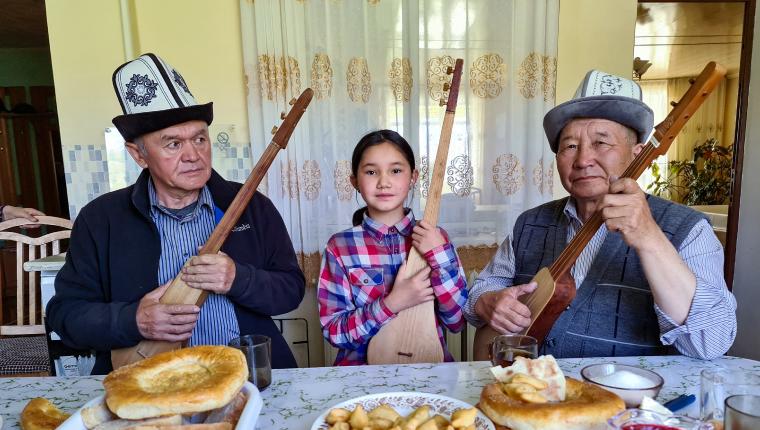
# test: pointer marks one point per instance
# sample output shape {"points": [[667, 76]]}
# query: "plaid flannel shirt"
{"points": [[358, 270]]}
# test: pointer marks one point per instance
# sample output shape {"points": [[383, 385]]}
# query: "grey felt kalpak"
{"points": [[604, 96], [153, 96]]}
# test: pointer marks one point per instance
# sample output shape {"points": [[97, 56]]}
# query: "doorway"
{"points": [[31, 162], [702, 169]]}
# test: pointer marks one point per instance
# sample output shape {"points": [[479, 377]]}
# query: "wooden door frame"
{"points": [[745, 62]]}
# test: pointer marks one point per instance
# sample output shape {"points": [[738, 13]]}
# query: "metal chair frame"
{"points": [[280, 322]]}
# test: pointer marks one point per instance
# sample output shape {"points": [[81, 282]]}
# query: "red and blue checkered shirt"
{"points": [[358, 270]]}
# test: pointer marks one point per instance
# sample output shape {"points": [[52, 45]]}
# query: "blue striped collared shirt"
{"points": [[710, 325], [180, 238]]}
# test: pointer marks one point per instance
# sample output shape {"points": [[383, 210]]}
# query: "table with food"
{"points": [[207, 388]]}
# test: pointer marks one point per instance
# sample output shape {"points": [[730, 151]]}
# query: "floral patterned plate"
{"points": [[406, 402]]}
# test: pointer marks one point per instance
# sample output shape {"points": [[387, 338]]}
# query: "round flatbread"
{"points": [[184, 381], [585, 407], [40, 414]]}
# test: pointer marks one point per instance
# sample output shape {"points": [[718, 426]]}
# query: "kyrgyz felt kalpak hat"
{"points": [[604, 96], [153, 96]]}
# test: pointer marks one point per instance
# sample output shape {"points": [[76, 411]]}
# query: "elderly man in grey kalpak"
{"points": [[650, 279]]}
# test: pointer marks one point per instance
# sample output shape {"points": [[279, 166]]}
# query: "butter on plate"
{"points": [[651, 404]]}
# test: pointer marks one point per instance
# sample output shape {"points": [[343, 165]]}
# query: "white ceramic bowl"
{"points": [[631, 396]]}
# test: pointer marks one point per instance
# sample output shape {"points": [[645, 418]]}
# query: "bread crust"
{"points": [[184, 381], [96, 414], [40, 414], [586, 406]]}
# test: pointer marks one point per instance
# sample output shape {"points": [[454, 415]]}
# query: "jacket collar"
{"points": [[222, 192]]}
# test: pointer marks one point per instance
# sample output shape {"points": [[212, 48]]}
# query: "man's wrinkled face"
{"points": [[590, 150], [178, 157]]}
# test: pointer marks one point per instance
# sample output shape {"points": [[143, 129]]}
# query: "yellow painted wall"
{"points": [[593, 34], [84, 52], [200, 38]]}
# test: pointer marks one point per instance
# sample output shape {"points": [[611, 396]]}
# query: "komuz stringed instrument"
{"points": [[178, 292], [412, 336], [556, 287]]}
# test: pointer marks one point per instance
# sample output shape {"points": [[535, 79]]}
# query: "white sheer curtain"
{"points": [[381, 64], [706, 123]]}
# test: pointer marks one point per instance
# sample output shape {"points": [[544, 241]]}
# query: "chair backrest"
{"points": [[290, 332], [30, 319]]}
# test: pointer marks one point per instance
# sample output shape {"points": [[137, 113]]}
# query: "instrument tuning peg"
{"points": [[274, 129], [446, 86], [282, 115], [292, 101], [674, 104], [442, 102], [449, 70], [692, 80]]}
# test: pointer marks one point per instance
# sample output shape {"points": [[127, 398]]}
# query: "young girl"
{"points": [[358, 288]]}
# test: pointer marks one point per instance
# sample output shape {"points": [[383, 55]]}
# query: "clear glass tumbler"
{"points": [[257, 349]]}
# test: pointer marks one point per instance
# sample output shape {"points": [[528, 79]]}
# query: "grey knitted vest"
{"points": [[613, 310]]}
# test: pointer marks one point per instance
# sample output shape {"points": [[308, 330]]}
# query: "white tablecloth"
{"points": [[298, 396]]}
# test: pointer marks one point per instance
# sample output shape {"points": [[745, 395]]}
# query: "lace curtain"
{"points": [[706, 122], [655, 95], [381, 64]]}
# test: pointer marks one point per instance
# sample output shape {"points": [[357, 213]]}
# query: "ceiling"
{"points": [[23, 24], [680, 38]]}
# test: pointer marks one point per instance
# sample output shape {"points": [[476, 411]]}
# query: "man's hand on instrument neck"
{"points": [[625, 210], [172, 323], [211, 272], [503, 311]]}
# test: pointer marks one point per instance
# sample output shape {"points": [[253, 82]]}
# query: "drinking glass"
{"points": [[742, 412], [257, 349], [507, 347], [719, 383]]}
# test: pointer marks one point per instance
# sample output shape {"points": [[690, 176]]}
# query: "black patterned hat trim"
{"points": [[135, 125], [162, 70]]}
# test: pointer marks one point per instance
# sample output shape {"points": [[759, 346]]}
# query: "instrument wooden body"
{"points": [[178, 292], [556, 288], [412, 336]]}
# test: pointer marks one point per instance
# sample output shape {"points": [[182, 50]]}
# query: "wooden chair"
{"points": [[26, 353]]}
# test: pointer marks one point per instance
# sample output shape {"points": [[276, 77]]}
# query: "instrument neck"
{"points": [[568, 256], [238, 205], [433, 200]]}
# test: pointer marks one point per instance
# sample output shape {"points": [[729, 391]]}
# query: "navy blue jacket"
{"points": [[112, 262]]}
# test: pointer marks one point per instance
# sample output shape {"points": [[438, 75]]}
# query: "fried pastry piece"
{"points": [[40, 414]]}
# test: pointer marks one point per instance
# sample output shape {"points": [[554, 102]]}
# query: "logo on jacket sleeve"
{"points": [[241, 227]]}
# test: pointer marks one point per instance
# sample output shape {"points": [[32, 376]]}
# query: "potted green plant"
{"points": [[703, 180]]}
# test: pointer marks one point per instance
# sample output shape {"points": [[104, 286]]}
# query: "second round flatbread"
{"points": [[184, 381]]}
